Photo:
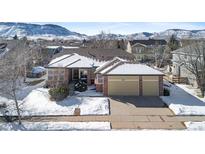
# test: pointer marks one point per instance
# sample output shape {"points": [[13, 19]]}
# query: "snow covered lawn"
{"points": [[55, 126], [90, 92], [38, 103], [182, 102], [195, 125]]}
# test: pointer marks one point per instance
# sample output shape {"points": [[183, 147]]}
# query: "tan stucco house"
{"points": [[113, 77], [144, 49]]}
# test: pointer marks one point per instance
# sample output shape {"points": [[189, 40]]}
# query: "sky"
{"points": [[92, 28]]}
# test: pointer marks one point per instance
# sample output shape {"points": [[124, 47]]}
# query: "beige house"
{"points": [[144, 49]]}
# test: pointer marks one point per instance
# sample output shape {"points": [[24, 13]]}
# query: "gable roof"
{"points": [[123, 67], [74, 61], [108, 64], [149, 42]]}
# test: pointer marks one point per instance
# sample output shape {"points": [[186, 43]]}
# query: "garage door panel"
{"points": [[127, 86], [150, 88]]}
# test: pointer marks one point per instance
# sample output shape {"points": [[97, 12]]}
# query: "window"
{"points": [[61, 77]]}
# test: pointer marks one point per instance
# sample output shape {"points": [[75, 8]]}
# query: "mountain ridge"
{"points": [[10, 29]]}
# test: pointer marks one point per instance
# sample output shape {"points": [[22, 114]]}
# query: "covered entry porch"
{"points": [[83, 74]]}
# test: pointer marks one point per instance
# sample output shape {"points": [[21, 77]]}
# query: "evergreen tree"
{"points": [[173, 43]]}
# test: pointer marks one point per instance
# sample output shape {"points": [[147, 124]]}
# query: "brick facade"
{"points": [[161, 89], [99, 87], [105, 86], [58, 77], [89, 77], [140, 86]]}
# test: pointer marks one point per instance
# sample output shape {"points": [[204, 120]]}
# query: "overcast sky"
{"points": [[91, 28]]}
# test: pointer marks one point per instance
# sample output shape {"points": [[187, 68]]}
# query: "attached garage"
{"points": [[122, 78], [123, 85]]}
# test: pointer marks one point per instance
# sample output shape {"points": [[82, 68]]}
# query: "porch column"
{"points": [[89, 77], [140, 86]]}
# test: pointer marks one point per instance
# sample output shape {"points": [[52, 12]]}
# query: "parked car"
{"points": [[37, 72]]}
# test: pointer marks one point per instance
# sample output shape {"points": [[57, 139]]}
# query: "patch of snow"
{"points": [[195, 125], [55, 126], [38, 103], [183, 103], [24, 90], [90, 92]]}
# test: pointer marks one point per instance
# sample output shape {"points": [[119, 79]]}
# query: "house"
{"points": [[99, 53], [180, 73], [112, 77], [121, 77], [144, 49]]}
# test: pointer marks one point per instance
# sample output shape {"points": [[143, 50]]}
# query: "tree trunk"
{"points": [[17, 108], [25, 74]]}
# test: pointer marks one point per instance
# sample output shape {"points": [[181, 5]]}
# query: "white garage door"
{"points": [[150, 85], [123, 85]]}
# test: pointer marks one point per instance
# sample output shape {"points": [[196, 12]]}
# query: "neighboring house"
{"points": [[179, 72], [37, 72], [121, 77], [58, 49], [144, 49], [113, 77], [100, 53]]}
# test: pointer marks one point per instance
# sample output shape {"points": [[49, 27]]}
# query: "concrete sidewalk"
{"points": [[125, 122]]}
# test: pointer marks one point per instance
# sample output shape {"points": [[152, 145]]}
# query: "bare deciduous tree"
{"points": [[12, 68], [193, 60]]}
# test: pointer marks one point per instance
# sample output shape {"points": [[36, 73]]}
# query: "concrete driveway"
{"points": [[138, 106]]}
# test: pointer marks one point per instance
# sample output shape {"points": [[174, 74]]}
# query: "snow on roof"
{"points": [[133, 69], [65, 47], [59, 59], [108, 65], [74, 61]]}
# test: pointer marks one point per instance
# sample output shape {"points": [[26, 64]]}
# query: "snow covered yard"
{"points": [[90, 92], [182, 102], [38, 103], [195, 125], [55, 126]]}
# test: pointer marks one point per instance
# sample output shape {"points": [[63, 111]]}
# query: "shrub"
{"points": [[59, 93], [166, 92]]}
